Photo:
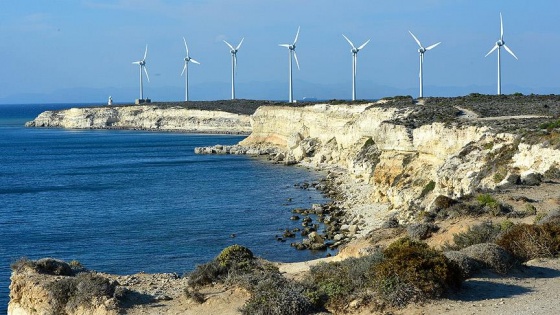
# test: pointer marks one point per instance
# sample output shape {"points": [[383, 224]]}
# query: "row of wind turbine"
{"points": [[293, 55]]}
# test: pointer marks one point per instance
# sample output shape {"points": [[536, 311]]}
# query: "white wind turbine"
{"points": [[292, 51], [233, 52], [499, 45], [355, 63], [142, 64], [186, 69], [422, 50]]}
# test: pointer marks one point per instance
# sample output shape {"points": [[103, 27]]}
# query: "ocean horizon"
{"points": [[124, 201]]}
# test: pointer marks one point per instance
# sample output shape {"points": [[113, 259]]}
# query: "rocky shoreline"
{"points": [[343, 218]]}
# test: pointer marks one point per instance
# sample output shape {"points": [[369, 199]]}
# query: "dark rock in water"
{"points": [[294, 218], [288, 233]]}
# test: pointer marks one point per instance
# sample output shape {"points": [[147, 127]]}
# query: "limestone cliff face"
{"points": [[407, 166], [145, 117]]}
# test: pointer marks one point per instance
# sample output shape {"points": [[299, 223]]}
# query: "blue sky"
{"points": [[82, 50]]}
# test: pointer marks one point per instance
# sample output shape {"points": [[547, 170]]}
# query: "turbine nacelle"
{"points": [[500, 42]]}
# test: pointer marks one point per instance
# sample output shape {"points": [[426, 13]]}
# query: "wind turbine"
{"points": [[499, 45], [233, 52], [142, 64], [292, 51], [422, 50], [355, 63], [186, 69]]}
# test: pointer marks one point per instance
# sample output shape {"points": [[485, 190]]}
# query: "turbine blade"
{"points": [[231, 47], [356, 63], [501, 27], [491, 51], [297, 35], [241, 42], [349, 41], [146, 71], [136, 63], [235, 62], [285, 45], [295, 57], [422, 62], [186, 47], [433, 46], [194, 61], [184, 68], [416, 39], [511, 52], [145, 53], [364, 45]]}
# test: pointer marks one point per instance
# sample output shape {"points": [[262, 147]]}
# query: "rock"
{"points": [[294, 218], [338, 237], [315, 238], [531, 178], [552, 217], [421, 231], [353, 229]]}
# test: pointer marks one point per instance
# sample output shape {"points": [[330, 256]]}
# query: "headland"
{"points": [[428, 170]]}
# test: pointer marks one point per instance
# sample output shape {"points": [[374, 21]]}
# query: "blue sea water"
{"points": [[129, 201]]}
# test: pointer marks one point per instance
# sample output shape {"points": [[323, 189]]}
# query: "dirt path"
{"points": [[534, 289]]}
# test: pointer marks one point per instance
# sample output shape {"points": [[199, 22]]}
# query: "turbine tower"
{"points": [[422, 50], [355, 63], [291, 51], [233, 52], [186, 69], [499, 45], [142, 64]]}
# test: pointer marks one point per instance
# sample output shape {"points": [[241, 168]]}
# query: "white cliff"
{"points": [[406, 167], [149, 117]]}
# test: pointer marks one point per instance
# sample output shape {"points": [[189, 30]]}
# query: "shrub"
{"points": [[235, 256], [234, 259], [467, 264], [194, 295], [491, 256], [272, 294], [411, 271], [428, 188], [338, 283], [527, 242], [485, 232], [71, 293], [23, 264]]}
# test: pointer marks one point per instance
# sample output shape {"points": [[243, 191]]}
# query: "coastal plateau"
{"points": [[394, 160]]}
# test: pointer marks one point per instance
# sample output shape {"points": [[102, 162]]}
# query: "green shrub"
{"points": [[341, 282], [272, 294], [234, 259], [412, 271], [528, 242], [71, 293], [428, 188], [235, 256], [485, 232]]}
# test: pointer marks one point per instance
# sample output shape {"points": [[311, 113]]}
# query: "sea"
{"points": [[125, 202]]}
